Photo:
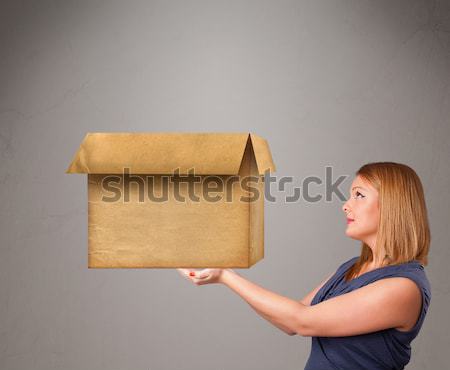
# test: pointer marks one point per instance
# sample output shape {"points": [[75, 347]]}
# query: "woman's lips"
{"points": [[349, 220]]}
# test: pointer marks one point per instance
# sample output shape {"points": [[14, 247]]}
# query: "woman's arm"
{"points": [[387, 303], [278, 310], [279, 326], [306, 300]]}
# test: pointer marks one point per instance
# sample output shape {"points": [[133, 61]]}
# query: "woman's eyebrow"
{"points": [[359, 187]]}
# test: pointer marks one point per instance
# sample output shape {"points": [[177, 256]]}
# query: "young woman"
{"points": [[365, 314]]}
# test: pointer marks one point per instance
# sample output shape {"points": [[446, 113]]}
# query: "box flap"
{"points": [[163, 153], [262, 154]]}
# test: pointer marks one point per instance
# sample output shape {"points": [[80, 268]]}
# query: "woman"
{"points": [[365, 314]]}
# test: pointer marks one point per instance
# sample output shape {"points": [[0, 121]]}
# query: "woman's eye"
{"points": [[358, 193]]}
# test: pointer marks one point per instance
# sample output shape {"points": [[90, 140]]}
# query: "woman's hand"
{"points": [[205, 276]]}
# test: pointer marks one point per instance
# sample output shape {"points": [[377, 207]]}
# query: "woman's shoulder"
{"points": [[413, 270]]}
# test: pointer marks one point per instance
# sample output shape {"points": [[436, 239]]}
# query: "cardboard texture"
{"points": [[138, 231]]}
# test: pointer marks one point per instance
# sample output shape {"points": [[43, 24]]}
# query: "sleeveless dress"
{"points": [[384, 349]]}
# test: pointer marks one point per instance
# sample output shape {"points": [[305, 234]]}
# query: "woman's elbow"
{"points": [[303, 330], [302, 333]]}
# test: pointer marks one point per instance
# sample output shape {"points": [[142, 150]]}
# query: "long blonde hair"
{"points": [[403, 229]]}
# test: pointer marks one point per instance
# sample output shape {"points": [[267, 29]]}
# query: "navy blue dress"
{"points": [[384, 349]]}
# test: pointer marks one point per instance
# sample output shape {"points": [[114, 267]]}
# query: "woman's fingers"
{"points": [[184, 272], [204, 273], [200, 276], [188, 273], [197, 274]]}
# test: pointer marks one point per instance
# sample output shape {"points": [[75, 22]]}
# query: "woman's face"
{"points": [[362, 212]]}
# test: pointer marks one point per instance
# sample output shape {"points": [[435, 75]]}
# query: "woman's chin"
{"points": [[351, 234]]}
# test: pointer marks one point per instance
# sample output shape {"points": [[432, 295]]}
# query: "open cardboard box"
{"points": [[139, 216]]}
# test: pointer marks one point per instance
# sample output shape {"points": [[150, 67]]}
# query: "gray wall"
{"points": [[328, 83]]}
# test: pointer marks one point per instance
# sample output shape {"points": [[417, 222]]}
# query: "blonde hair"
{"points": [[403, 229]]}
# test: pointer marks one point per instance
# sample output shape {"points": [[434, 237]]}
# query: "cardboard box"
{"points": [[136, 184]]}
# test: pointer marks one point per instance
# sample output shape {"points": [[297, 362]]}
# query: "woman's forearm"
{"points": [[278, 325], [281, 311]]}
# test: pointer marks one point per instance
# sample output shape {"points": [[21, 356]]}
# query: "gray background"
{"points": [[327, 83]]}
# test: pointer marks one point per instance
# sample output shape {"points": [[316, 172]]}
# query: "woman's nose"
{"points": [[345, 208]]}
